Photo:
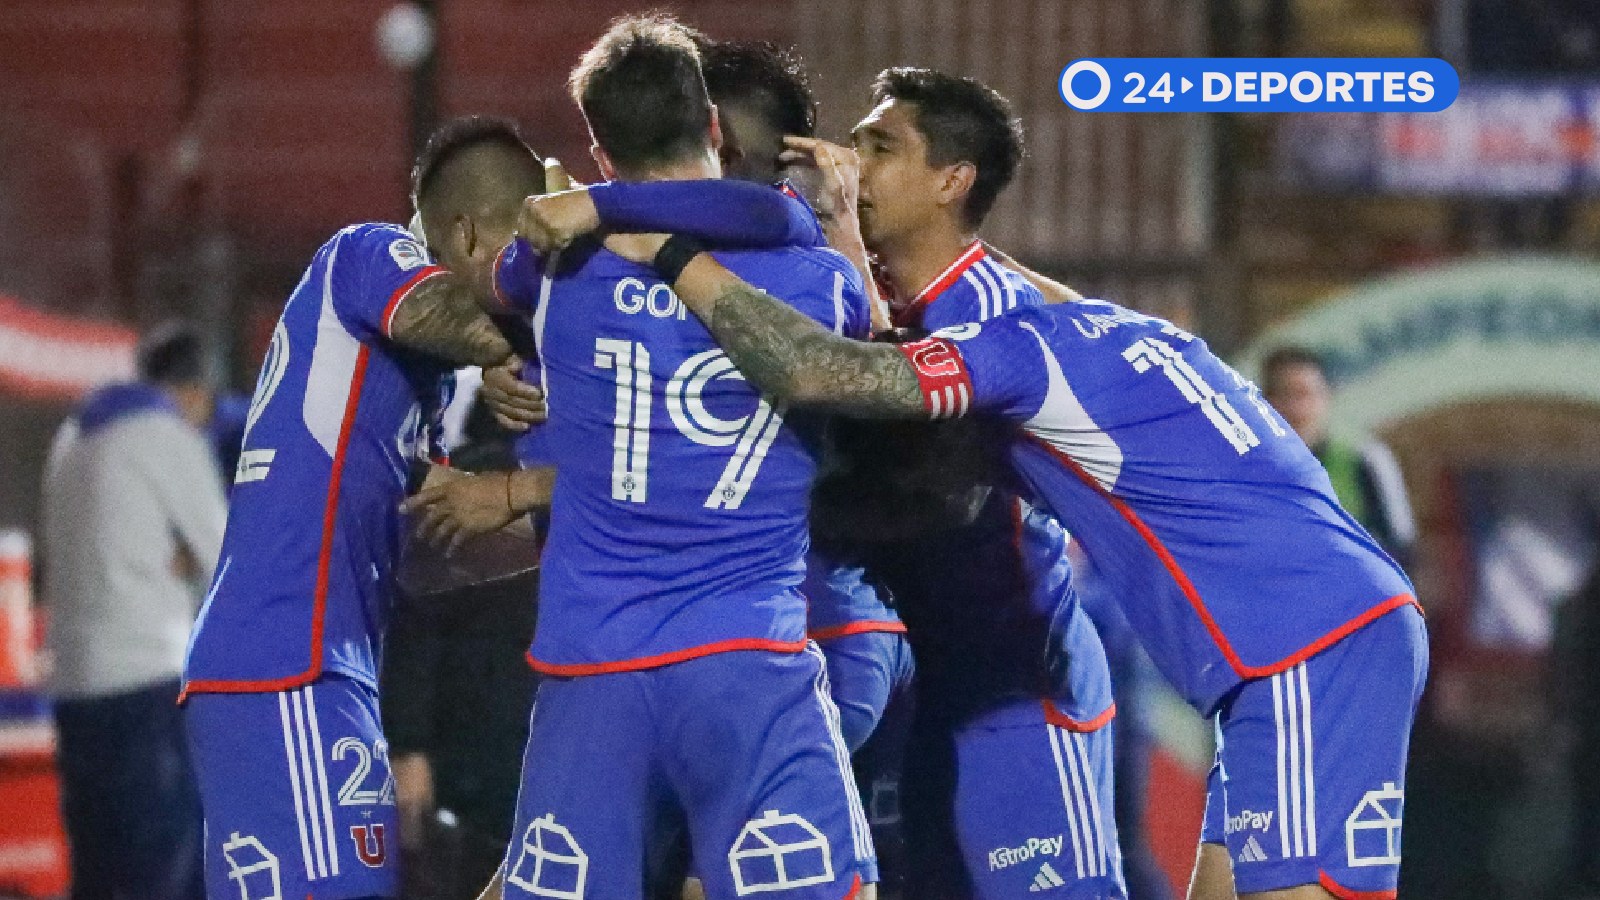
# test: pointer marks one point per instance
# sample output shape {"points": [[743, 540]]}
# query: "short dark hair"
{"points": [[761, 72], [642, 92], [1291, 355], [171, 353], [456, 137], [963, 120]]}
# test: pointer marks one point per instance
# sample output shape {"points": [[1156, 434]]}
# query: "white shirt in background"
{"points": [[123, 505]]}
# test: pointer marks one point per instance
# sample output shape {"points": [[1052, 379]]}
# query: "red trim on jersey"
{"points": [[1344, 893], [855, 889], [942, 375], [494, 278], [911, 313], [639, 663], [863, 626], [330, 516], [401, 291], [1193, 596], [1054, 715]]}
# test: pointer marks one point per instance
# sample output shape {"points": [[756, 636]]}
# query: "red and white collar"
{"points": [[912, 311]]}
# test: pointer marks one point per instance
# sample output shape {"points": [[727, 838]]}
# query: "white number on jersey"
{"points": [[630, 460], [255, 463], [352, 793], [1149, 352], [751, 436]]}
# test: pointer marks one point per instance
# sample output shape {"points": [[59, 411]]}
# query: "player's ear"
{"points": [[957, 182], [607, 170], [465, 234], [716, 129]]}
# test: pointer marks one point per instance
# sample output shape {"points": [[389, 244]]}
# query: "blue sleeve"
{"points": [[856, 315], [372, 269], [820, 283], [517, 273], [720, 212]]}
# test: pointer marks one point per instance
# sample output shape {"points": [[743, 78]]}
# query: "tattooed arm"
{"points": [[793, 359], [442, 315]]}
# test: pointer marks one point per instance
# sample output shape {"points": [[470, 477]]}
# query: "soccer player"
{"points": [[1013, 676], [762, 94], [1262, 601], [672, 632], [280, 681], [1015, 680]]}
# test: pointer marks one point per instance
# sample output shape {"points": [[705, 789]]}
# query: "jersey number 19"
{"points": [[750, 436]]}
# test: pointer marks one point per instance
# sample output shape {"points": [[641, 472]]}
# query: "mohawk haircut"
{"points": [[763, 73], [456, 137], [963, 120], [642, 92]]}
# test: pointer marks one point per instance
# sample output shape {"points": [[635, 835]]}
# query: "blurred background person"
{"points": [[1365, 476], [133, 515]]}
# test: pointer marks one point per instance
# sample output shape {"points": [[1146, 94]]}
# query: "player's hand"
{"points": [[516, 404], [413, 794], [460, 508], [550, 222], [639, 248], [556, 178], [840, 171]]}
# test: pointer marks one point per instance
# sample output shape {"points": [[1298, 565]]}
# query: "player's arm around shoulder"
{"points": [[445, 317], [784, 352]]}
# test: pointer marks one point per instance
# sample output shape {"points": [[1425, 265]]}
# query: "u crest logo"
{"points": [[370, 848]]}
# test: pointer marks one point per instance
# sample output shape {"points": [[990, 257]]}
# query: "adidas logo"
{"points": [[1047, 879], [1252, 851]]}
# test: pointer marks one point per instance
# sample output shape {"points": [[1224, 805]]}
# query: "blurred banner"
{"points": [[50, 357], [1512, 139], [1512, 326]]}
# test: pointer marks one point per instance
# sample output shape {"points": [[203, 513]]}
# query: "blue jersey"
{"points": [[314, 528], [678, 519], [991, 606], [1198, 509], [842, 599]]}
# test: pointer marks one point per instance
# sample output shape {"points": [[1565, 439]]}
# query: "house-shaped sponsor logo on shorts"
{"points": [[550, 864], [1372, 833], [253, 867], [779, 852]]}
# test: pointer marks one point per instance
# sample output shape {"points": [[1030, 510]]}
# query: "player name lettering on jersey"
{"points": [[633, 296], [1094, 325]]}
